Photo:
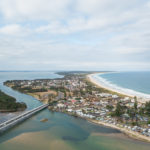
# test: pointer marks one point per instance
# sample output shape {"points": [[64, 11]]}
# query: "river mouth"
{"points": [[61, 131], [30, 101]]}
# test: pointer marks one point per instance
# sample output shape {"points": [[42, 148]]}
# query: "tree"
{"points": [[110, 107], [131, 113], [119, 110], [135, 103], [141, 111], [147, 108]]}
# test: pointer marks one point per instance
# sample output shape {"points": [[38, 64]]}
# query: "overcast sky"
{"points": [[74, 34]]}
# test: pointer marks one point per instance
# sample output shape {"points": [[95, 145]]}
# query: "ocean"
{"points": [[61, 131], [134, 83]]}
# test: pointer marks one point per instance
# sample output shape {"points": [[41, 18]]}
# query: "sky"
{"points": [[75, 35]]}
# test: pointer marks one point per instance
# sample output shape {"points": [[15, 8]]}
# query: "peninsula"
{"points": [[76, 95]]}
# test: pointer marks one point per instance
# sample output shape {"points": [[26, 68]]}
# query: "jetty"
{"points": [[20, 118]]}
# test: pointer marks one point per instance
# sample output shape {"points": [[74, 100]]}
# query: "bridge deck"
{"points": [[12, 122]]}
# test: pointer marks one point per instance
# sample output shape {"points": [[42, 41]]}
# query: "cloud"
{"points": [[33, 9], [75, 34], [72, 26], [14, 30]]}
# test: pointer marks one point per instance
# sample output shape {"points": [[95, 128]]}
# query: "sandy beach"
{"points": [[129, 133], [127, 92], [132, 134]]}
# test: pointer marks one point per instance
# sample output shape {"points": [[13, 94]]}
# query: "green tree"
{"points": [[147, 108], [118, 110], [110, 107], [135, 105]]}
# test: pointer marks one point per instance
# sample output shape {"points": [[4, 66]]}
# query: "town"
{"points": [[74, 94]]}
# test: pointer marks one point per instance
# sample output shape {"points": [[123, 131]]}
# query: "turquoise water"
{"points": [[61, 132], [137, 81]]}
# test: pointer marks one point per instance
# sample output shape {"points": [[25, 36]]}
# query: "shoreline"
{"points": [[128, 133], [94, 81], [141, 98]]}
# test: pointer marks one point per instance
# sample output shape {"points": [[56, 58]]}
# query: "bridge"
{"points": [[18, 119]]}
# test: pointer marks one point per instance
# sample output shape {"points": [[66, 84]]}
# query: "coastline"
{"points": [[141, 98], [129, 133], [93, 80]]}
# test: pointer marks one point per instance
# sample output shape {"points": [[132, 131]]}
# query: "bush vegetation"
{"points": [[8, 103]]}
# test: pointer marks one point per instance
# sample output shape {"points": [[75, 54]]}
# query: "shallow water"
{"points": [[66, 133], [63, 132]]}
